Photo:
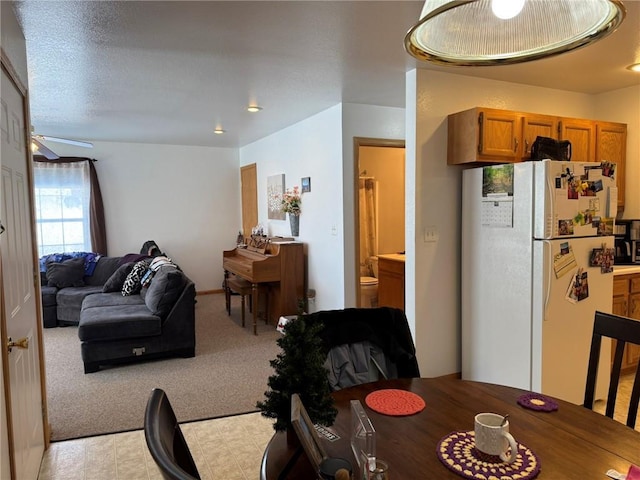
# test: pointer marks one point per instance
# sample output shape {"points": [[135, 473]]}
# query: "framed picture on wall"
{"points": [[275, 190], [306, 184]]}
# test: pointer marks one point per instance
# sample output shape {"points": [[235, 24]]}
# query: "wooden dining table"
{"points": [[571, 442]]}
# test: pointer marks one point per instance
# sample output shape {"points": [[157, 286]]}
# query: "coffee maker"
{"points": [[627, 242]]}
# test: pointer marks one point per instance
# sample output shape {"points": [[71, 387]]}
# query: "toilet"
{"points": [[369, 286]]}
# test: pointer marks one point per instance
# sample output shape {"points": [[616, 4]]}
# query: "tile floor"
{"points": [[227, 448]]}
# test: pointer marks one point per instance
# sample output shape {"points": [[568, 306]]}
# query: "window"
{"points": [[62, 192]]}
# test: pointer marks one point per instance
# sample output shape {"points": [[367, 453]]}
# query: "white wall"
{"points": [[624, 106], [434, 198], [321, 147], [13, 42], [185, 198], [311, 148]]}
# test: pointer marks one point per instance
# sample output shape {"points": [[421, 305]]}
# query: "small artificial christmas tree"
{"points": [[299, 368]]}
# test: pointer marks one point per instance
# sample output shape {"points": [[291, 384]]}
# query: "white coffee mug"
{"points": [[493, 438]]}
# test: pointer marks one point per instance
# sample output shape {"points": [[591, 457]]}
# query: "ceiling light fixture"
{"points": [[219, 131], [483, 33], [253, 108], [634, 67]]}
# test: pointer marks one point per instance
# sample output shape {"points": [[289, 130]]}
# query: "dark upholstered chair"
{"points": [[380, 335], [625, 331], [165, 440]]}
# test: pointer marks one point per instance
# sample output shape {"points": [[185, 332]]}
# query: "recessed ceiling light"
{"points": [[253, 108], [219, 131], [634, 67]]}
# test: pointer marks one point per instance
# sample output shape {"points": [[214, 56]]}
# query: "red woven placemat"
{"points": [[395, 402]]}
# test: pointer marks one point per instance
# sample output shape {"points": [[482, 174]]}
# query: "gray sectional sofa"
{"points": [[157, 320]]}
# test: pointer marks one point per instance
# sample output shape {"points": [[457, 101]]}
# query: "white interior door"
{"points": [[19, 310]]}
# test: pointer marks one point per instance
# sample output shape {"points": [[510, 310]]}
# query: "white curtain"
{"points": [[368, 224], [63, 194]]}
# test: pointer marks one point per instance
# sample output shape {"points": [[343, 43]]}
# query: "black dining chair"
{"points": [[165, 440], [624, 331]]}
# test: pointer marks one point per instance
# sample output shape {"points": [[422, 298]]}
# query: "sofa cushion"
{"points": [[49, 296], [70, 302], [69, 273], [132, 283], [117, 322], [110, 299], [105, 267], [163, 291], [115, 282]]}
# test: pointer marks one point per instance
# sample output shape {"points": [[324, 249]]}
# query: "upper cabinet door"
{"points": [[533, 126], [611, 146], [483, 135], [499, 134], [582, 135]]}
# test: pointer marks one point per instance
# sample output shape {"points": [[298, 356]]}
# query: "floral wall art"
{"points": [[275, 190]]}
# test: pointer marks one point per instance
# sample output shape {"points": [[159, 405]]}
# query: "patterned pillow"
{"points": [[132, 284]]}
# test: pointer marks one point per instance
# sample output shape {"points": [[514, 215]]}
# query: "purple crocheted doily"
{"points": [[458, 453], [536, 401]]}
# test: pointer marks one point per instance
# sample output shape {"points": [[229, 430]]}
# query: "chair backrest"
{"points": [[383, 332], [165, 440], [625, 331]]}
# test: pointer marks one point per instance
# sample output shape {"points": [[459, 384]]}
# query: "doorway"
{"points": [[379, 209]]}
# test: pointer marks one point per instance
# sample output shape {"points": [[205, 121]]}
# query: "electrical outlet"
{"points": [[431, 233], [334, 230]]}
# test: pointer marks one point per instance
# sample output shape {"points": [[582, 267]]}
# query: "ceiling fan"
{"points": [[38, 146]]}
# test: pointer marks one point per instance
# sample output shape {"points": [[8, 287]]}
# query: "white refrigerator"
{"points": [[537, 254]]}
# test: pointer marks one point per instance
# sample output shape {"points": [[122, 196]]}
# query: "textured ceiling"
{"points": [[171, 71]]}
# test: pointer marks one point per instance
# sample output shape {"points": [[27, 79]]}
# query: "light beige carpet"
{"points": [[227, 376]]}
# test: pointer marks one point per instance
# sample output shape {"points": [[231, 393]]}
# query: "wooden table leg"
{"points": [[227, 292], [254, 301]]}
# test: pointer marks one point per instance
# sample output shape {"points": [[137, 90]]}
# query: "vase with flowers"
{"points": [[291, 201]]}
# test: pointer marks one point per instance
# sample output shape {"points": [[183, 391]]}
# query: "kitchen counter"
{"points": [[625, 269]]}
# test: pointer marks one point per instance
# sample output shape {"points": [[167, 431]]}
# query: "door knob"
{"points": [[20, 343]]}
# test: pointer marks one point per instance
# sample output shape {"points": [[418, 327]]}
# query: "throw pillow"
{"points": [[115, 282], [164, 290], [66, 274], [131, 284]]}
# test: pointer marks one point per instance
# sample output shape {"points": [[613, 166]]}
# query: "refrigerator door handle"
{"points": [[550, 201], [547, 286]]}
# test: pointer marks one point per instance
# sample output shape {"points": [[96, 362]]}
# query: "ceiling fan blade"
{"points": [[77, 143], [46, 152]]}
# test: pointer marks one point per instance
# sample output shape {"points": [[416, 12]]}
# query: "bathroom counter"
{"points": [[395, 257], [391, 280]]}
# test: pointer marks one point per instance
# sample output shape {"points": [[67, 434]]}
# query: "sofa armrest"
{"points": [[179, 328]]}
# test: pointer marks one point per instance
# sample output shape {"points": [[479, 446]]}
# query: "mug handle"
{"points": [[514, 449]]}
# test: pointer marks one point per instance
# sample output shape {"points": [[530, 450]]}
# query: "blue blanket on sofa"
{"points": [[90, 260]]}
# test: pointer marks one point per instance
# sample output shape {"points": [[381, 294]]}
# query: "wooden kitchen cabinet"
{"points": [[626, 302], [484, 135], [611, 146], [582, 135], [534, 125], [391, 281]]}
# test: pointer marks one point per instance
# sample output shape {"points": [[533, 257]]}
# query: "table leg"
{"points": [[254, 301], [227, 293]]}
